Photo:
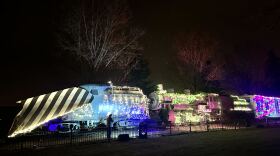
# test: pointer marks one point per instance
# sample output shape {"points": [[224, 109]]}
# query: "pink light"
{"points": [[265, 104]]}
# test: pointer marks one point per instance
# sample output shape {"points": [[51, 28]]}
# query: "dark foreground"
{"points": [[242, 142]]}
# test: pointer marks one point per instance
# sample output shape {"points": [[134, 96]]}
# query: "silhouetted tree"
{"points": [[140, 77], [198, 60], [101, 35]]}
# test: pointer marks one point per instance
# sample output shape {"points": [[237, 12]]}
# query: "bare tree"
{"points": [[198, 53], [100, 33]]}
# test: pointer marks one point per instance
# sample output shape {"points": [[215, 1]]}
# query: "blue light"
{"points": [[266, 106], [52, 127], [124, 103]]}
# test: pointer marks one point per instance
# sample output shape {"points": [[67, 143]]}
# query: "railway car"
{"points": [[87, 106]]}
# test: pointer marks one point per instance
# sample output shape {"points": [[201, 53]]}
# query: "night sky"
{"points": [[31, 63]]}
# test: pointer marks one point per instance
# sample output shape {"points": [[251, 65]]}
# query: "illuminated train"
{"points": [[87, 107], [185, 107], [262, 106], [123, 102], [84, 107]]}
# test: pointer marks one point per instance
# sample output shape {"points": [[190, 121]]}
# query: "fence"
{"points": [[195, 127], [47, 139]]}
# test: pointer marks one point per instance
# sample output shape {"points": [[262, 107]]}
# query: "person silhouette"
{"points": [[109, 127]]}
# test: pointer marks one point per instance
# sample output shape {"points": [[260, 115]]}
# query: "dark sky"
{"points": [[231, 22], [31, 63]]}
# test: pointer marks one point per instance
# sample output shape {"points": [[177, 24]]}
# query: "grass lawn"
{"points": [[225, 143]]}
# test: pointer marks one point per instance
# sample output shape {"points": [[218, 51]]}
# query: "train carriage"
{"points": [[86, 106]]}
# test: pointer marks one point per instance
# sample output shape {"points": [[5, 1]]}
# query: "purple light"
{"points": [[266, 106]]}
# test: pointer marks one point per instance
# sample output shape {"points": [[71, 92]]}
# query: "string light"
{"points": [[185, 105], [177, 98], [266, 106], [240, 104]]}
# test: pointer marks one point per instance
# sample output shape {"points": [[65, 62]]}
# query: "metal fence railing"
{"points": [[195, 127], [47, 139]]}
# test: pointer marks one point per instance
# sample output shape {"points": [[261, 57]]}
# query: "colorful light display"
{"points": [[123, 102], [213, 101], [266, 106], [186, 117], [182, 98], [177, 98], [239, 101], [240, 104], [188, 107], [85, 103]]}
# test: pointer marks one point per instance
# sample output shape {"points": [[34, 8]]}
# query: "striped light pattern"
{"points": [[41, 109]]}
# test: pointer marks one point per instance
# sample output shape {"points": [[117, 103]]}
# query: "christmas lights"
{"points": [[266, 106], [177, 98], [240, 104], [187, 117], [123, 102], [188, 107]]}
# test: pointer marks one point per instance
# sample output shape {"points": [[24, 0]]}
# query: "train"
{"points": [[87, 106], [184, 108]]}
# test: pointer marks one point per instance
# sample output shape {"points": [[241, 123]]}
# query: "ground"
{"points": [[262, 141]]}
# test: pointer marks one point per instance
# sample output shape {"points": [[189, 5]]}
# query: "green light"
{"points": [[186, 117], [242, 109], [240, 104], [239, 101], [181, 98]]}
